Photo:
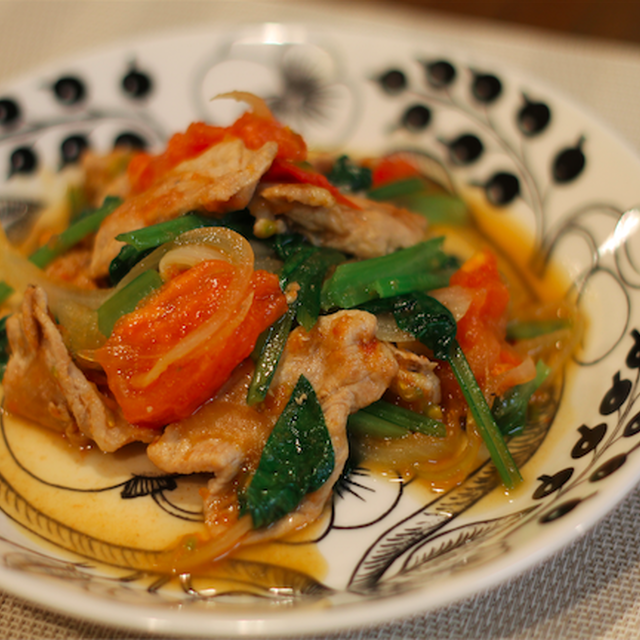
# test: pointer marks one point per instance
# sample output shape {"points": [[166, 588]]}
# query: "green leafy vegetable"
{"points": [[438, 208], [126, 299], [423, 266], [510, 411], [267, 354], [419, 196], [385, 420], [141, 242], [157, 234], [397, 189], [86, 224], [126, 259], [310, 276], [307, 265], [432, 323], [487, 426], [297, 459], [525, 330], [350, 176]]}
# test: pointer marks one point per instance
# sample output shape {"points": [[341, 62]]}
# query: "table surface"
{"points": [[611, 19], [591, 590]]}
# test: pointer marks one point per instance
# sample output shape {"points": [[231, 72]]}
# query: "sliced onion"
{"points": [[387, 330], [524, 372], [231, 246], [81, 324], [456, 299], [236, 250], [19, 273], [220, 327], [258, 105], [182, 258]]}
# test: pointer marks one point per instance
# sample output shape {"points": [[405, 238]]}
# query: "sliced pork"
{"points": [[43, 384], [348, 369], [372, 229], [221, 179]]}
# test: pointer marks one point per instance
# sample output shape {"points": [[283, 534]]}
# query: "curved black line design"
{"points": [[175, 510], [420, 526], [163, 482], [380, 517]]}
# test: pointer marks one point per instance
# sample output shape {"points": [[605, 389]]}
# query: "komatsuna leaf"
{"points": [[297, 459]]}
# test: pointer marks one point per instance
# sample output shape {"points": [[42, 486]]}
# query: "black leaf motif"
{"points": [[141, 486], [9, 112], [633, 426], [609, 467], [393, 81], [616, 396], [589, 440], [72, 148], [129, 140], [633, 357], [502, 189], [417, 117], [569, 163], [486, 87], [551, 484], [533, 118], [440, 73], [137, 84], [69, 90], [465, 149], [560, 511], [23, 161]]}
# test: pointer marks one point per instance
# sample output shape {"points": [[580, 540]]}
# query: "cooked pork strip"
{"points": [[221, 437], [221, 179], [416, 379], [348, 368], [43, 384], [375, 229]]}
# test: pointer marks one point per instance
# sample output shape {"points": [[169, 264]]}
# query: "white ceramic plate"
{"points": [[496, 137]]}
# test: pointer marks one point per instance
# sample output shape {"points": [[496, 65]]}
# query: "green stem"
{"points": [[352, 282], [157, 234], [481, 412], [367, 424], [269, 351], [406, 419], [397, 189], [126, 300]]}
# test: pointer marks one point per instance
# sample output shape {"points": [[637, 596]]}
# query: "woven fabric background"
{"points": [[590, 590]]}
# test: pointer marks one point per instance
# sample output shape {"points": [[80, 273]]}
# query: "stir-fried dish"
{"points": [[261, 316]]}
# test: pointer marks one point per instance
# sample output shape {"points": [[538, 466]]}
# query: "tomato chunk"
{"points": [[392, 169], [154, 378], [481, 331], [288, 172], [145, 169]]}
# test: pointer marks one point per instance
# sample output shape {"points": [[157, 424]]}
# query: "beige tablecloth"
{"points": [[591, 589]]}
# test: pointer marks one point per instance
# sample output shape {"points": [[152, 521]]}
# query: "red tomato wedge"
{"points": [[481, 333], [174, 352], [482, 330], [282, 170], [392, 169], [254, 130]]}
